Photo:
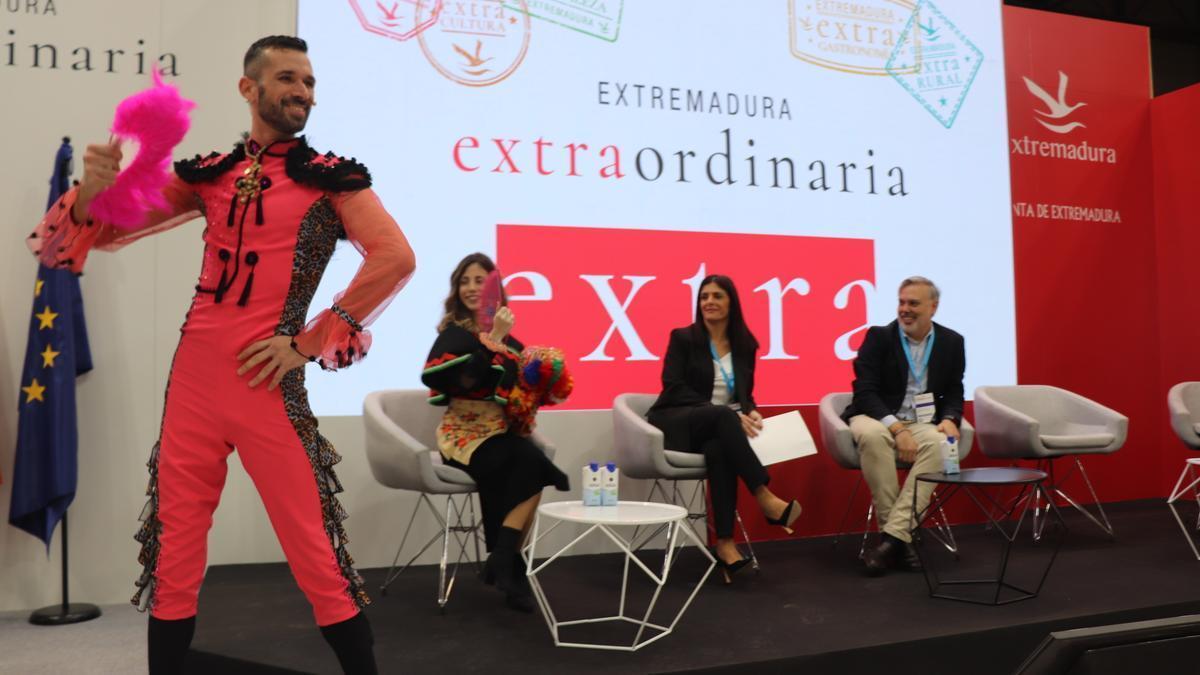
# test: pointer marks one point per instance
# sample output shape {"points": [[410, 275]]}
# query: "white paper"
{"points": [[783, 437]]}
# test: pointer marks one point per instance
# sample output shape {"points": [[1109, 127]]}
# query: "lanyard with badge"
{"points": [[725, 375], [923, 404]]}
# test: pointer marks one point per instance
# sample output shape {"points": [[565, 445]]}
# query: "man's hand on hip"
{"points": [[278, 355]]}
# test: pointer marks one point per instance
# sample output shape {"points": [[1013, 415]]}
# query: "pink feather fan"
{"points": [[157, 118], [490, 299]]}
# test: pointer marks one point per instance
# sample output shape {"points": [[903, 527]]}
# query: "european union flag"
{"points": [[45, 471]]}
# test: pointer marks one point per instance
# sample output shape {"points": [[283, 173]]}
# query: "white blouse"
{"points": [[721, 394]]}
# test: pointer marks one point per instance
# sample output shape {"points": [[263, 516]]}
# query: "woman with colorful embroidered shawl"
{"points": [[479, 375]]}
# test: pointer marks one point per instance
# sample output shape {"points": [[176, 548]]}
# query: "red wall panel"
{"points": [[1175, 122], [1084, 261]]}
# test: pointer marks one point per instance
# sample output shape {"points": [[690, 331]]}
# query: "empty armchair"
{"points": [[1044, 423], [1183, 403]]}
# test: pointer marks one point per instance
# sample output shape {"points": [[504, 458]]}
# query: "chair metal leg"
{"points": [[846, 514], [657, 486], [457, 523], [862, 547], [696, 505], [1056, 487], [1095, 499], [942, 533], [998, 513], [392, 573], [678, 498], [1039, 519], [746, 536], [867, 524], [443, 587], [478, 532], [461, 532], [1196, 496], [1180, 490], [1021, 503]]}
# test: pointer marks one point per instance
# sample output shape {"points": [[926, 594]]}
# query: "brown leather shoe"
{"points": [[882, 557]]}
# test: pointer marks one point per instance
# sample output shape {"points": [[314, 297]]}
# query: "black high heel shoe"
{"points": [[730, 569], [789, 516]]}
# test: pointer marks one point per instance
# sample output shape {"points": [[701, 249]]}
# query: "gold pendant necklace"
{"points": [[249, 186]]}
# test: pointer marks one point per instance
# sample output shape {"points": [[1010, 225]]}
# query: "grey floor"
{"points": [[113, 643]]}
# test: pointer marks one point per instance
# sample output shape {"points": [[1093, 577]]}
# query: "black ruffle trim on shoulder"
{"points": [[209, 168], [327, 172]]}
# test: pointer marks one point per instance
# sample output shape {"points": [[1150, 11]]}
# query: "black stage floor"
{"points": [[809, 609]]}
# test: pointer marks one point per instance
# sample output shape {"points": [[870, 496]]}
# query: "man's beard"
{"points": [[277, 118]]}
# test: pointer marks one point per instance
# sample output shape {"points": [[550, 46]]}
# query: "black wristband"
{"points": [[297, 350]]}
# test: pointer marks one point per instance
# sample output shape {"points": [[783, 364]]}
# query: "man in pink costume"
{"points": [[274, 210]]}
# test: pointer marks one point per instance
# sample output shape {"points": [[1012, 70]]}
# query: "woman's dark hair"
{"points": [[741, 340], [456, 312]]}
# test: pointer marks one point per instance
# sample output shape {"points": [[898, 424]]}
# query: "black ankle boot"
{"points": [[488, 575], [500, 561], [167, 644], [502, 567], [518, 573], [353, 643]]}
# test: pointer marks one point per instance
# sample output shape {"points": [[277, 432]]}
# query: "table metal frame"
{"points": [[659, 577], [1030, 493]]}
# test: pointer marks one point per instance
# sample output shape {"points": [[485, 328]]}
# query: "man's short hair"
{"points": [[252, 63], [934, 293]]}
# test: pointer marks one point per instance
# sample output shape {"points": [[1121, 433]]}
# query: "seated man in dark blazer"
{"points": [[908, 396]]}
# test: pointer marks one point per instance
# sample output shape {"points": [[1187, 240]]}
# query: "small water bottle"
{"points": [[609, 484], [591, 484], [950, 455]]}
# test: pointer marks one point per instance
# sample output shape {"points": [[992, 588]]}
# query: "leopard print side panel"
{"points": [[319, 232]]}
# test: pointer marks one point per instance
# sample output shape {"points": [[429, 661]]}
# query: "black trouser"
{"points": [[508, 469], [716, 431]]}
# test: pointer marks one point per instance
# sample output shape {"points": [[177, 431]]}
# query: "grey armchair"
{"points": [[402, 453], [839, 443], [641, 453], [1043, 423], [1183, 403]]}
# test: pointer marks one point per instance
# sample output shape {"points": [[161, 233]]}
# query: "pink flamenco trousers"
{"points": [[265, 251]]}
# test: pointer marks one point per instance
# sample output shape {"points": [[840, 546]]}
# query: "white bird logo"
{"points": [[1059, 108]]}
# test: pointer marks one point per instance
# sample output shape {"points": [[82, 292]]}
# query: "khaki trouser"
{"points": [[877, 452]]}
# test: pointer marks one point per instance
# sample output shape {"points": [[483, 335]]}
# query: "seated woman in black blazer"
{"points": [[707, 406], [473, 373]]}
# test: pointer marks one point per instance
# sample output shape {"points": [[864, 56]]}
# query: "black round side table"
{"points": [[981, 486]]}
